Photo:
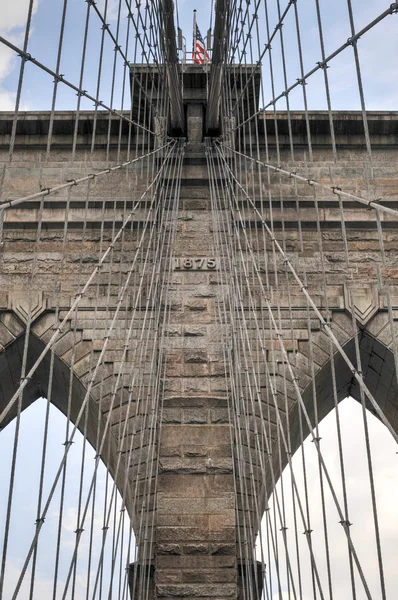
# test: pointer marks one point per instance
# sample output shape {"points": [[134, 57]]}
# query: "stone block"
{"points": [[209, 576], [195, 486], [196, 305], [169, 549], [195, 356], [195, 416], [196, 561], [5, 336], [195, 506], [194, 330], [195, 549], [198, 435], [219, 415], [222, 549], [171, 415], [197, 590], [173, 576]]}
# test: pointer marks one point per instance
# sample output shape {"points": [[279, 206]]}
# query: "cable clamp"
{"points": [[336, 189], [25, 56], [39, 521], [394, 8], [300, 80], [322, 64], [71, 181], [308, 531], [79, 531], [105, 26], [345, 523], [91, 2], [58, 77]]}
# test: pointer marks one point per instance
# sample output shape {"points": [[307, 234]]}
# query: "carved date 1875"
{"points": [[195, 264]]}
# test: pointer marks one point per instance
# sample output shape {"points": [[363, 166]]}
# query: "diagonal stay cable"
{"points": [[393, 9], [119, 50], [69, 442], [73, 182], [313, 183], [25, 56], [293, 377], [313, 305], [266, 48], [80, 295]]}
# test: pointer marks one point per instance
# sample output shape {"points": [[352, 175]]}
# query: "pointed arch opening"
{"points": [[67, 519], [86, 540], [307, 553], [330, 523], [68, 401]]}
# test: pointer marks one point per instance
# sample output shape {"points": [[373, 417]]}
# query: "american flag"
{"points": [[199, 53]]}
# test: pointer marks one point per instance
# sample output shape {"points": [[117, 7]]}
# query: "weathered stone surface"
{"points": [[196, 518], [197, 591]]}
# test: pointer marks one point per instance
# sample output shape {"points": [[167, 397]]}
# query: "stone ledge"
{"points": [[197, 591]]}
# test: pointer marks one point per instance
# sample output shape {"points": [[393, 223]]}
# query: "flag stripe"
{"points": [[200, 54]]}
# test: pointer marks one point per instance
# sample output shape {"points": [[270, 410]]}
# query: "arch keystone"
{"points": [[363, 300], [27, 305]]}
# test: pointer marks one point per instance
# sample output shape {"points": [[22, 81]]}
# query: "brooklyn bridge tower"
{"points": [[198, 265]]}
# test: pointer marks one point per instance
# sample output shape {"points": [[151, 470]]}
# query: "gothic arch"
{"points": [[377, 362], [10, 375]]}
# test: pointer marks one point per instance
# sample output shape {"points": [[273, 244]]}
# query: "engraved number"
{"points": [[195, 263], [188, 264]]}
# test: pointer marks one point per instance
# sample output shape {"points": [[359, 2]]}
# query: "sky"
{"points": [[25, 501], [384, 457], [377, 51]]}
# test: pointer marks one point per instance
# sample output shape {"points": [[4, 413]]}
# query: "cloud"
{"points": [[360, 507], [112, 9], [43, 585], [12, 27]]}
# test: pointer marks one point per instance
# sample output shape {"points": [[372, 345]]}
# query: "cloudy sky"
{"points": [[378, 50], [378, 54], [24, 510], [384, 457]]}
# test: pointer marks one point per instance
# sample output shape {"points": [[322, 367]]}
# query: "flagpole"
{"points": [[194, 36]]}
